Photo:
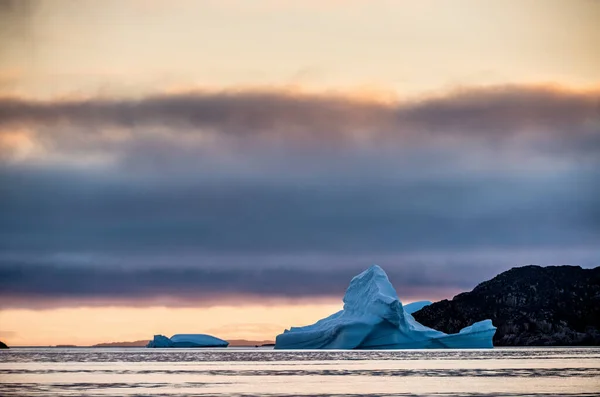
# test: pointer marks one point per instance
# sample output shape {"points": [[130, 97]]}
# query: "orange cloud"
{"points": [[18, 144]]}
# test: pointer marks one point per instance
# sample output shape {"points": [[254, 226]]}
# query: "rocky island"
{"points": [[530, 305]]}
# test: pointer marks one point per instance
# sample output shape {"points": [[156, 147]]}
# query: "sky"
{"points": [[226, 167]]}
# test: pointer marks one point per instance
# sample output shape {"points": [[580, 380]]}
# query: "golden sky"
{"points": [[57, 48], [86, 326]]}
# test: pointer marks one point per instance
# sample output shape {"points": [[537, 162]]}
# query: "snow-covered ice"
{"points": [[410, 308], [373, 318], [187, 340]]}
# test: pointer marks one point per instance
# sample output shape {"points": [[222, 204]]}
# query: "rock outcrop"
{"points": [[530, 305]]}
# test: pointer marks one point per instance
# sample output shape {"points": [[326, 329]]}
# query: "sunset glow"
{"points": [[227, 166]]}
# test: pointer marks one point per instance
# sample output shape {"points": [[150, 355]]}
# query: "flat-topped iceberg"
{"points": [[415, 306], [187, 340], [373, 318]]}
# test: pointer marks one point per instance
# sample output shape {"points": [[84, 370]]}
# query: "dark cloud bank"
{"points": [[26, 284], [504, 111], [270, 194], [239, 281]]}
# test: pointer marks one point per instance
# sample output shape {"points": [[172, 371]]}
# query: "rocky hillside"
{"points": [[530, 305]]}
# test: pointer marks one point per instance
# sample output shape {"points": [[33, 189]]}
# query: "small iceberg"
{"points": [[373, 318], [416, 306], [187, 340]]}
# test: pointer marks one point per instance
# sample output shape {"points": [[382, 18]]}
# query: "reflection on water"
{"points": [[247, 372]]}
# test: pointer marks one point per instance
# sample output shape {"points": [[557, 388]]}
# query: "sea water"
{"points": [[263, 371]]}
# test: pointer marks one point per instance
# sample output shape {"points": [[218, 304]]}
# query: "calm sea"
{"points": [[250, 372]]}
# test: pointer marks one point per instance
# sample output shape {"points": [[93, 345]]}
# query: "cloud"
{"points": [[159, 197], [496, 114], [16, 27], [226, 280], [66, 211]]}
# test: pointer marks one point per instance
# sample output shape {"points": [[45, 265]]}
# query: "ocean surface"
{"points": [[266, 372]]}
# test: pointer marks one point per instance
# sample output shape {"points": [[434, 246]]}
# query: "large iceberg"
{"points": [[373, 318], [187, 340]]}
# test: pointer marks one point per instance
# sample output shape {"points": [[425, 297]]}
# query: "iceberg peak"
{"points": [[374, 278], [372, 292]]}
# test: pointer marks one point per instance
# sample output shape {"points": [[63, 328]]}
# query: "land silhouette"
{"points": [[530, 306]]}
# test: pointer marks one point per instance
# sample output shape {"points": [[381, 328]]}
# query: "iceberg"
{"points": [[187, 340], [373, 318], [416, 306]]}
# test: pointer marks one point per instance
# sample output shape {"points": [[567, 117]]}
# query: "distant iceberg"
{"points": [[416, 306], [187, 340], [373, 318]]}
